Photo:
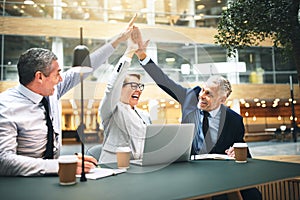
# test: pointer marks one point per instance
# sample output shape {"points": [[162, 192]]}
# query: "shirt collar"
{"points": [[214, 112], [34, 97]]}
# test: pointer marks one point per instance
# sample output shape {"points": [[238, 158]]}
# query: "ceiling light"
{"points": [[163, 105], [277, 99], [170, 59], [199, 7], [279, 117], [28, 2]]}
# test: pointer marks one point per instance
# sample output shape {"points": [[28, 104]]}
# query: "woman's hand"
{"points": [[124, 35]]}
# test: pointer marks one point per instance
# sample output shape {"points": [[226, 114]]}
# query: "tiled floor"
{"points": [[274, 147], [265, 148]]}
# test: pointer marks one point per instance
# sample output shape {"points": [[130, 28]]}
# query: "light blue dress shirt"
{"points": [[201, 144]]}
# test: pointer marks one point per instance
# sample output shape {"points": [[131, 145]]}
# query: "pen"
{"points": [[96, 165]]}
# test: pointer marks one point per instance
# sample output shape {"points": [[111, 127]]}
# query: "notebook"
{"points": [[167, 143]]}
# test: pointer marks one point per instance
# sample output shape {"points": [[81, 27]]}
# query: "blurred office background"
{"points": [[182, 43]]}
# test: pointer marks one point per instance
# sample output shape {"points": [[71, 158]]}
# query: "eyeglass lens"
{"points": [[134, 86]]}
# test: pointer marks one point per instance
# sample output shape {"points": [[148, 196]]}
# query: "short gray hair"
{"points": [[33, 60], [222, 83]]}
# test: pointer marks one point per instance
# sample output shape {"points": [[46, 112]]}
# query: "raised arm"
{"points": [[113, 89], [114, 86], [161, 79]]}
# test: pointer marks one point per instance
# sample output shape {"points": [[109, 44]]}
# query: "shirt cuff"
{"points": [[51, 166], [127, 59], [145, 61]]}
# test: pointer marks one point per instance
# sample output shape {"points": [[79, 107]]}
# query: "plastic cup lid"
{"points": [[123, 149], [239, 145], [67, 159]]}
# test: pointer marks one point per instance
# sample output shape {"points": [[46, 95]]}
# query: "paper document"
{"points": [[97, 173], [212, 156]]}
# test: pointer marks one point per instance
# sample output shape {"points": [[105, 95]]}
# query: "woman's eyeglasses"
{"points": [[135, 85]]}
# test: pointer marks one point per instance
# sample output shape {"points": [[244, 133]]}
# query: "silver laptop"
{"points": [[167, 143]]}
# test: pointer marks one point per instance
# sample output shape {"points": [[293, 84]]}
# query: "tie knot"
{"points": [[44, 100], [45, 104], [205, 113]]}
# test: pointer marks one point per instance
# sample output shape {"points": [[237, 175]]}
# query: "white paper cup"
{"points": [[67, 169], [240, 151], [123, 157]]}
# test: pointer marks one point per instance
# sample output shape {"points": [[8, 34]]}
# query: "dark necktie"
{"points": [[205, 122], [49, 145]]}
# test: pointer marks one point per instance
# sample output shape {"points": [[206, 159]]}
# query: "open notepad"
{"points": [[97, 173], [212, 156]]}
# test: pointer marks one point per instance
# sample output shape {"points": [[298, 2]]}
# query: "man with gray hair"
{"points": [[217, 127], [30, 129]]}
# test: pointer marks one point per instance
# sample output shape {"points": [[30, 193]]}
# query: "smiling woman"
{"points": [[124, 124], [132, 90]]}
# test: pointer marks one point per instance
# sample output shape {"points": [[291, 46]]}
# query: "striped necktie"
{"points": [[49, 145]]}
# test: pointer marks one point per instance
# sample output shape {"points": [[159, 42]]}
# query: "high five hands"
{"points": [[124, 35]]}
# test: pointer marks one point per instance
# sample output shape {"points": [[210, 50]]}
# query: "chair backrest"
{"points": [[94, 151]]}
